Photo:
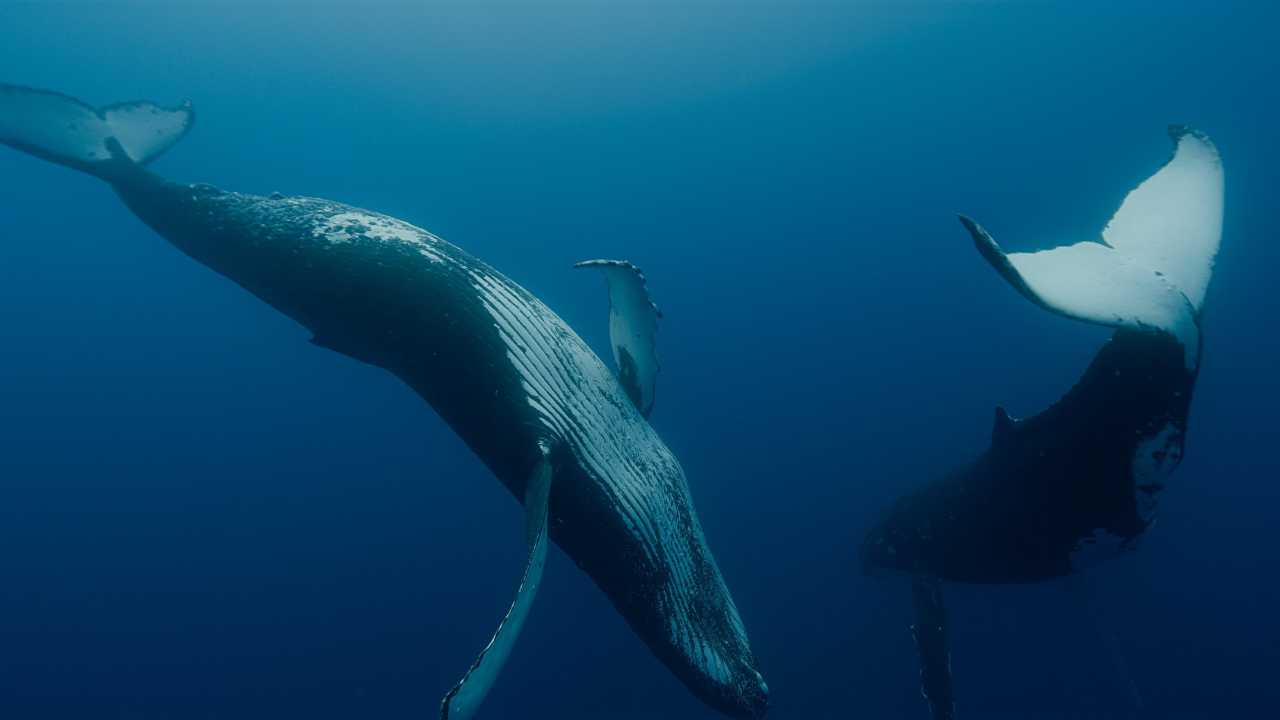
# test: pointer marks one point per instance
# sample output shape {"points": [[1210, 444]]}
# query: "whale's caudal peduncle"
{"points": [[559, 430]]}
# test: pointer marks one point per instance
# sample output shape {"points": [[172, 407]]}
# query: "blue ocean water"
{"points": [[204, 516]]}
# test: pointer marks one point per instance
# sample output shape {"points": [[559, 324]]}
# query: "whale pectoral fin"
{"points": [[464, 699], [633, 327], [930, 633]]}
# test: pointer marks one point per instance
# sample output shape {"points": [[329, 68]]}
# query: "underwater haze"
{"points": [[203, 515]]}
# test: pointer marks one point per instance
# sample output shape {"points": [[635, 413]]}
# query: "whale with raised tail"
{"points": [[567, 437], [1077, 483]]}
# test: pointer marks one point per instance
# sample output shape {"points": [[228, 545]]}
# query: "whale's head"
{"points": [[753, 695], [745, 695], [704, 642], [631, 526]]}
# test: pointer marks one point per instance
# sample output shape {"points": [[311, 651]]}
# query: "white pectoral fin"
{"points": [[1152, 269], [465, 698], [633, 329]]}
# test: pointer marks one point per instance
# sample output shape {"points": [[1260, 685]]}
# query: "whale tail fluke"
{"points": [[1152, 266], [100, 141]]}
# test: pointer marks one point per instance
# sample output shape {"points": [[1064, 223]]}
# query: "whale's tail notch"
{"points": [[1152, 266], [100, 141]]}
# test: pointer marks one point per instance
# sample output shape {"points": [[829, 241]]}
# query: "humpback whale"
{"points": [[1077, 483], [569, 439]]}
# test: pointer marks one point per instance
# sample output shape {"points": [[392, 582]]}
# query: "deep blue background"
{"points": [[203, 516]]}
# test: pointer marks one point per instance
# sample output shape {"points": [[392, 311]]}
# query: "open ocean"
{"points": [[204, 516]]}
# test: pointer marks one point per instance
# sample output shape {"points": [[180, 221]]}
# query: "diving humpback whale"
{"points": [[565, 436], [1077, 483]]}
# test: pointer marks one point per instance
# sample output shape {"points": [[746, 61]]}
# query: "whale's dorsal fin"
{"points": [[1003, 427], [633, 327], [64, 130], [1152, 268], [464, 699]]}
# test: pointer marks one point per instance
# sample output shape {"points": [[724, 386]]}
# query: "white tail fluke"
{"points": [[1172, 222], [1152, 268], [64, 130]]}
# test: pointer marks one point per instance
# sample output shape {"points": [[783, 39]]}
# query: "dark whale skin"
{"points": [[416, 308], [1055, 486]]}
